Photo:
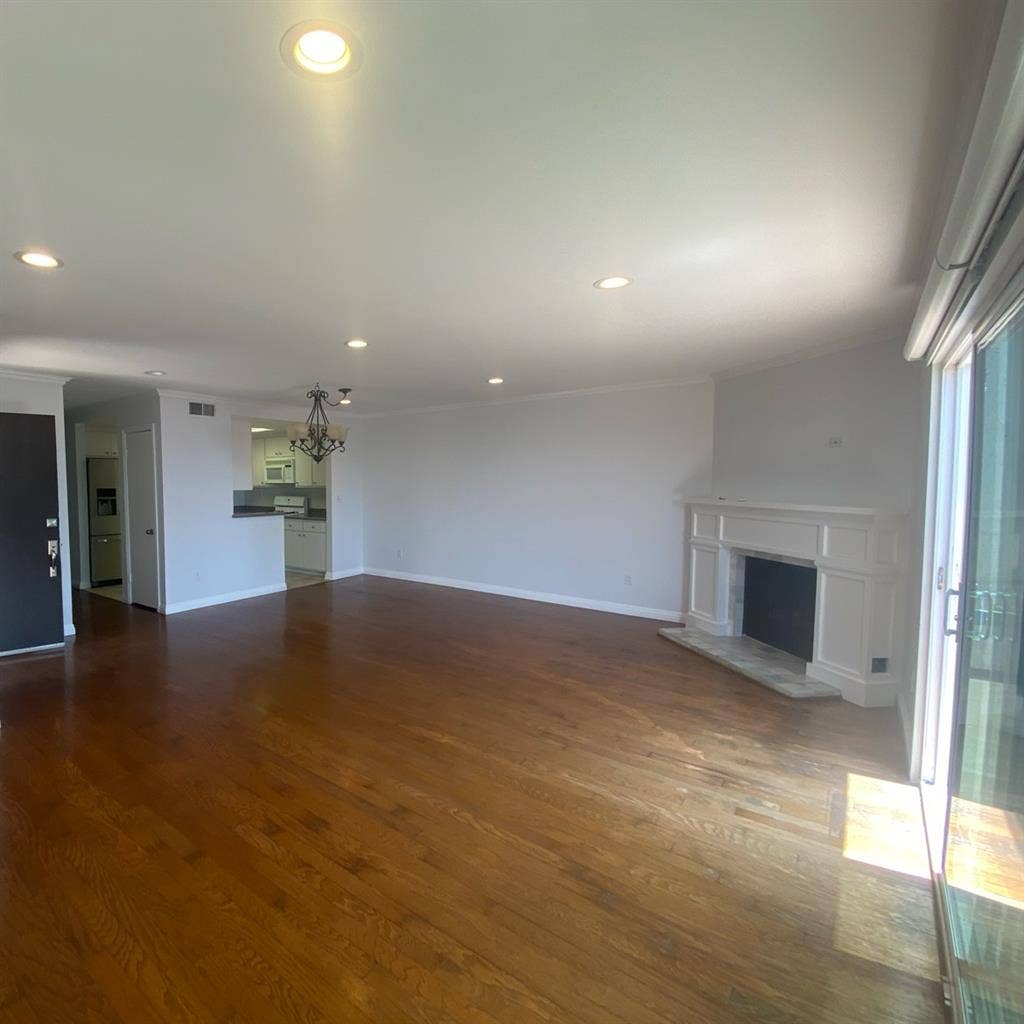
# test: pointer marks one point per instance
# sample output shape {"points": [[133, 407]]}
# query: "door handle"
{"points": [[149, 532], [52, 548]]}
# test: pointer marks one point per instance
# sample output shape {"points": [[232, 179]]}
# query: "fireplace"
{"points": [[778, 605], [821, 585]]}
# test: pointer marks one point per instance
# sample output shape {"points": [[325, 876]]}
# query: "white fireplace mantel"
{"points": [[858, 555]]}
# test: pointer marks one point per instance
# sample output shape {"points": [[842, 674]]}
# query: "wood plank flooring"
{"points": [[381, 801]]}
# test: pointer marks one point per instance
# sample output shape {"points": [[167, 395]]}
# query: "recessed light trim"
{"points": [[38, 259], [495, 380], [356, 343], [607, 284], [323, 50], [156, 373]]}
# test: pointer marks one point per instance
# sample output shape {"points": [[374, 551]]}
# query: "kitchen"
{"points": [[103, 484], [279, 481]]}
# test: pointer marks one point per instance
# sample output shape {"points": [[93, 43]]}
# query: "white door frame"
{"points": [[945, 532]]}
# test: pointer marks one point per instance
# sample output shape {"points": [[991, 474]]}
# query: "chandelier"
{"points": [[317, 437]]}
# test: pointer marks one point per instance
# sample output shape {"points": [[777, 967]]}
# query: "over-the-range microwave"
{"points": [[279, 471]]}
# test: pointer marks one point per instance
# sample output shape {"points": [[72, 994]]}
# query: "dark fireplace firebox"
{"points": [[778, 605]]}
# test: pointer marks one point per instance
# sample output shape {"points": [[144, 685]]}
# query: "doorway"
{"points": [[31, 602], [142, 578], [973, 744]]}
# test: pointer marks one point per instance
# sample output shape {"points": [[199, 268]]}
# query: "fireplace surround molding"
{"points": [[858, 557]]}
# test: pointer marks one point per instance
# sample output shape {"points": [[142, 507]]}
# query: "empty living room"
{"points": [[512, 512]]}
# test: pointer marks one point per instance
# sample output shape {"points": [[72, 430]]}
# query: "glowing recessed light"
{"points": [[495, 380], [260, 430], [39, 259], [607, 283], [356, 343], [156, 373], [320, 49]]}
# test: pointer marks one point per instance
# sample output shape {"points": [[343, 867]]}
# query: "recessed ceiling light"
{"points": [[260, 430], [40, 259], [607, 283], [495, 380], [356, 343], [156, 373], [320, 49]]}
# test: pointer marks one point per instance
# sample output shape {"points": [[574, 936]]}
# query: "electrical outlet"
{"points": [[628, 580], [835, 442]]}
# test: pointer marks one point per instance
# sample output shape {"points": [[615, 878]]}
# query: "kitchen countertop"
{"points": [[317, 515]]}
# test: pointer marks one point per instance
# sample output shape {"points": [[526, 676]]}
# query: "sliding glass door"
{"points": [[983, 858]]}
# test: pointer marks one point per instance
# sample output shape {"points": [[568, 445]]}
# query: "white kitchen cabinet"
{"points": [[319, 472], [242, 461], [277, 448], [258, 459], [305, 545], [101, 444], [303, 469]]}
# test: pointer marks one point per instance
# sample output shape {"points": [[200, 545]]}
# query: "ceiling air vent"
{"points": [[201, 409]]}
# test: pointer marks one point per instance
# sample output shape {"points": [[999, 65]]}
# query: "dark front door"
{"points": [[31, 607]]}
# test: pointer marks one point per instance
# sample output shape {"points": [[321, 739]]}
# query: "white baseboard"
{"points": [[638, 611], [875, 694], [343, 574], [235, 595], [906, 717]]}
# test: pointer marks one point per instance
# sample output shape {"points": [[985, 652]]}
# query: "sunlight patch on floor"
{"points": [[885, 826]]}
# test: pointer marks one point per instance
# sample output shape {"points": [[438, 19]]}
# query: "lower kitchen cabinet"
{"points": [[305, 545]]}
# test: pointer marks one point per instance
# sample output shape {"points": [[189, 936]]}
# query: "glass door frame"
{"points": [[947, 507]]}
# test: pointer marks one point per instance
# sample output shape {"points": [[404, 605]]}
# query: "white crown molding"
{"points": [[12, 373], [190, 396], [788, 359], [608, 389]]}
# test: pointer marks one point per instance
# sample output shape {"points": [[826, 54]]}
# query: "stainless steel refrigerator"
{"points": [[104, 479]]}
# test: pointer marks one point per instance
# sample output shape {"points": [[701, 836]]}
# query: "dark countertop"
{"points": [[315, 515], [250, 511]]}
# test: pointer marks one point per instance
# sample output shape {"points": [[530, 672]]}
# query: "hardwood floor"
{"points": [[381, 801]]}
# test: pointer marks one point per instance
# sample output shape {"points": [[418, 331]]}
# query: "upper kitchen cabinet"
{"points": [[319, 473], [243, 461], [101, 444], [277, 448], [303, 469]]}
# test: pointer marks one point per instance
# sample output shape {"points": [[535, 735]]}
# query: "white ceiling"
{"points": [[764, 170]]}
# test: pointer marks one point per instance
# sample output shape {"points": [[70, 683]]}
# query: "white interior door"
{"points": [[143, 539]]}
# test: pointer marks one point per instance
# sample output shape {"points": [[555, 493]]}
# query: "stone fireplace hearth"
{"points": [[856, 556]]}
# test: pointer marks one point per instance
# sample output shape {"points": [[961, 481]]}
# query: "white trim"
{"points": [[45, 378], [637, 611], [32, 650], [344, 574], [235, 595], [802, 355], [907, 722], [607, 389], [855, 690], [69, 629]]}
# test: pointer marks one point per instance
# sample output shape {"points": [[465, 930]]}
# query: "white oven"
{"points": [[279, 471]]}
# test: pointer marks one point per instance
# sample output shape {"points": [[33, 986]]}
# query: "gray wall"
{"points": [[562, 496], [772, 429]]}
